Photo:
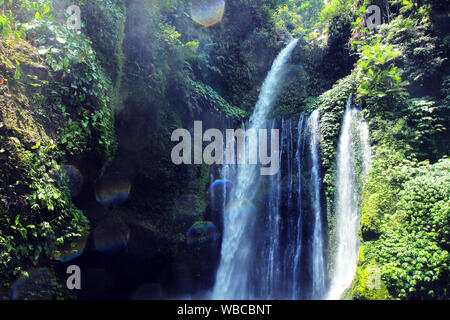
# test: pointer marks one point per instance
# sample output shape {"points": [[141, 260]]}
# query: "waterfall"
{"points": [[232, 279], [299, 234], [269, 272], [353, 149], [221, 184], [318, 270], [289, 226], [277, 255]]}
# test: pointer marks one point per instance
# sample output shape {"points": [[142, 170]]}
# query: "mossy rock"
{"points": [[368, 283], [370, 217], [24, 75]]}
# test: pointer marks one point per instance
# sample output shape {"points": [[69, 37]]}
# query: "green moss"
{"points": [[370, 215], [16, 105], [332, 107], [368, 284], [104, 24], [207, 99]]}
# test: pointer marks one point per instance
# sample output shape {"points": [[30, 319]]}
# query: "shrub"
{"points": [[414, 246]]}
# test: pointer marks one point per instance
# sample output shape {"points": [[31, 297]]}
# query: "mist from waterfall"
{"points": [[353, 152], [232, 279]]}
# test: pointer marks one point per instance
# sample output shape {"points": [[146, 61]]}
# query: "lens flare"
{"points": [[34, 284], [240, 211], [220, 183], [111, 236], [207, 13], [112, 191], [75, 179], [202, 232], [70, 250]]}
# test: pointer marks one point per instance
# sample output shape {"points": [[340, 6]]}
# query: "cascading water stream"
{"points": [[295, 294], [279, 262], [279, 246], [353, 150], [318, 269], [270, 272], [289, 226], [237, 242]]}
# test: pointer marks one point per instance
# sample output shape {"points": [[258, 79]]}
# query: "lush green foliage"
{"points": [[34, 228], [83, 85], [380, 76], [332, 106], [206, 97], [400, 65], [58, 75], [298, 16], [104, 24], [414, 245], [335, 8]]}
